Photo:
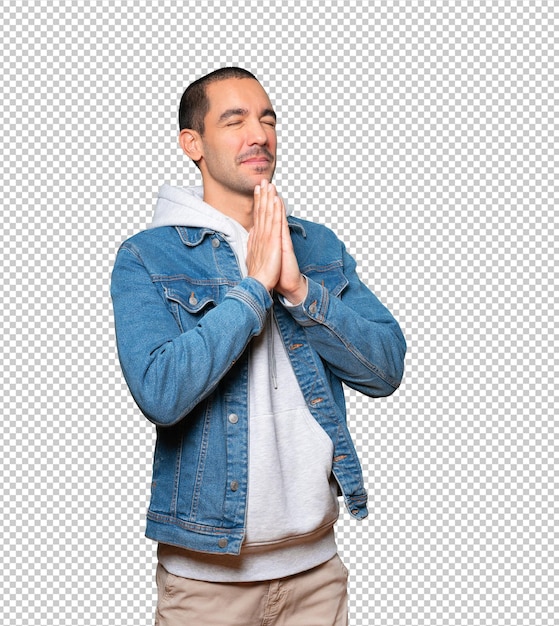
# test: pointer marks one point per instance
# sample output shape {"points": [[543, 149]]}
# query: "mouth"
{"points": [[256, 161], [259, 159]]}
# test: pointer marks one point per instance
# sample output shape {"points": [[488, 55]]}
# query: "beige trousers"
{"points": [[317, 597]]}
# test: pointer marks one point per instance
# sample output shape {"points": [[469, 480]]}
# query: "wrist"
{"points": [[299, 294]]}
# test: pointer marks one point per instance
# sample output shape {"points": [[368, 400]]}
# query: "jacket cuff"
{"points": [[313, 309], [254, 293]]}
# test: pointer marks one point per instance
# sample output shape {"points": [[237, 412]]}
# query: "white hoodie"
{"points": [[292, 495]]}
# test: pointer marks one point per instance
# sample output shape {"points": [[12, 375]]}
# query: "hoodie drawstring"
{"points": [[271, 349]]}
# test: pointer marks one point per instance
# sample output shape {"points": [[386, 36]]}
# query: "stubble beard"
{"points": [[246, 184], [237, 181]]}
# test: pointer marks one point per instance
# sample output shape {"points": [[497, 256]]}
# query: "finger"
{"points": [[271, 194], [260, 206], [275, 214], [285, 235], [269, 212], [256, 207]]}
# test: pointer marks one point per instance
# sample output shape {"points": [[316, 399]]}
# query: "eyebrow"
{"points": [[243, 112]]}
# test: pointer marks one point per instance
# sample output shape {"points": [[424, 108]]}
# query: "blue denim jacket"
{"points": [[184, 316]]}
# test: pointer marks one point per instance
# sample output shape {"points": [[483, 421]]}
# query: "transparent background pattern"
{"points": [[424, 134]]}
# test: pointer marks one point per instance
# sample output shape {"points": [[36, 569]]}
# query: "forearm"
{"points": [[356, 335]]}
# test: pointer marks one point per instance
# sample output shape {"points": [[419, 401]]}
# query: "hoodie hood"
{"points": [[184, 206]]}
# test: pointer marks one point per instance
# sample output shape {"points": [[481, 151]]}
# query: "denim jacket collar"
{"points": [[193, 235]]}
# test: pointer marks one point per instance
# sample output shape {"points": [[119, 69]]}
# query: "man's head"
{"points": [[195, 103], [227, 127]]}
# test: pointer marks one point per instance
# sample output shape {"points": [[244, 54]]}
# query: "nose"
{"points": [[256, 134]]}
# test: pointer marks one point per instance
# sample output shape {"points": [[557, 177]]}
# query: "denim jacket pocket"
{"points": [[190, 299], [330, 276]]}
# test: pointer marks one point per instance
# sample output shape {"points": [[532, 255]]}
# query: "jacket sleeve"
{"points": [[354, 333], [169, 372]]}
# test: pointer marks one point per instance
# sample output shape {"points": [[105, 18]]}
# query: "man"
{"points": [[236, 325]]}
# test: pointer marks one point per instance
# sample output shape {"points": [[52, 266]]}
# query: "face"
{"points": [[238, 146]]}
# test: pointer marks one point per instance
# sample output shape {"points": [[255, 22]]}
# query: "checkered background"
{"points": [[424, 134]]}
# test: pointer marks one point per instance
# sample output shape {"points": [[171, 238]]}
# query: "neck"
{"points": [[235, 205]]}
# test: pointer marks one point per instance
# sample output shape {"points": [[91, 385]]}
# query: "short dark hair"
{"points": [[195, 103]]}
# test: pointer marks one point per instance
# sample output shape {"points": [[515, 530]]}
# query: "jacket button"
{"points": [[222, 543], [233, 418], [234, 485], [312, 308], [215, 242], [193, 299]]}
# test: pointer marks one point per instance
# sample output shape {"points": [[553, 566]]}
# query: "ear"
{"points": [[190, 143]]}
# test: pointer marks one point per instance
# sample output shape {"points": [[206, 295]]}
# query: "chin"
{"points": [[258, 176]]}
